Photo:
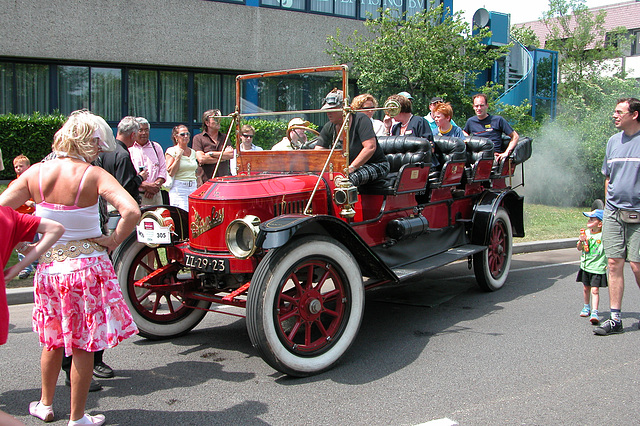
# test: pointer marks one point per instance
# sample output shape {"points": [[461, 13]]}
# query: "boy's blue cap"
{"points": [[598, 213]]}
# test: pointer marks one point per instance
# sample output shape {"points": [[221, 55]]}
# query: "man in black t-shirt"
{"points": [[367, 161]]}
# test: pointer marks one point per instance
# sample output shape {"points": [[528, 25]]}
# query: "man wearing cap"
{"points": [[490, 126], [295, 138], [621, 224], [432, 109], [367, 161]]}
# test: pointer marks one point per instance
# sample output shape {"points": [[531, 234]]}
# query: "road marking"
{"points": [[439, 422]]}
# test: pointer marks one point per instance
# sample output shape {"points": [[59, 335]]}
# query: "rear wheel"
{"points": [[491, 266], [159, 313], [305, 305]]}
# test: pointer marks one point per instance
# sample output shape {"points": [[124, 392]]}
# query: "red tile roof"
{"points": [[626, 14]]}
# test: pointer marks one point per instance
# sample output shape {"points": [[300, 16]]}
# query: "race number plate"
{"points": [[150, 232], [207, 264]]}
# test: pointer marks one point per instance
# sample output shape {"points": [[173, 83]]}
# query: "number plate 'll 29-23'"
{"points": [[206, 264]]}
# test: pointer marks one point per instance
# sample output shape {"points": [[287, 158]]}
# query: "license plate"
{"points": [[207, 264]]}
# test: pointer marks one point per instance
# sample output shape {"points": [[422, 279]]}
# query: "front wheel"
{"points": [[305, 305], [159, 313], [491, 266]]}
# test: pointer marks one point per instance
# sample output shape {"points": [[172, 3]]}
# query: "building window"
{"points": [[173, 97], [73, 88], [635, 43], [106, 93], [346, 8], [143, 94], [6, 88], [24, 88], [285, 4]]}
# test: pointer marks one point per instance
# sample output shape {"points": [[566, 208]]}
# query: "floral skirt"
{"points": [[78, 304]]}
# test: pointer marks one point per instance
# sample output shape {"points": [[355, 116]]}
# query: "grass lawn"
{"points": [[540, 223], [550, 223]]}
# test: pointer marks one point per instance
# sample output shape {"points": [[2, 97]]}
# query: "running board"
{"points": [[414, 269]]}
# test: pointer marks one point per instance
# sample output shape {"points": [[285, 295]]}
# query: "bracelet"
{"points": [[114, 239]]}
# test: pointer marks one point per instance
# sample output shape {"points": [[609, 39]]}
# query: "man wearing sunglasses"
{"points": [[368, 162]]}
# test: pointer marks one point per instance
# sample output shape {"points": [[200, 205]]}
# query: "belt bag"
{"points": [[629, 216]]}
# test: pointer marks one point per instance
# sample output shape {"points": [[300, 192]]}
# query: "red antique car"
{"points": [[294, 243]]}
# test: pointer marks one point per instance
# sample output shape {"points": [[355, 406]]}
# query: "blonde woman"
{"points": [[181, 166], [78, 306]]}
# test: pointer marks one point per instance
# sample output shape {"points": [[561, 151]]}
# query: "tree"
{"points": [[584, 46], [569, 152], [424, 55]]}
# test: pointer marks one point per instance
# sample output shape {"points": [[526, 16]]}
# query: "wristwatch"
{"points": [[210, 153]]}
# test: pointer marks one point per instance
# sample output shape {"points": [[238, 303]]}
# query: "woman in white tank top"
{"points": [[76, 277]]}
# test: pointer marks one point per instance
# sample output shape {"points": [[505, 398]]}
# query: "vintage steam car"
{"points": [[292, 241]]}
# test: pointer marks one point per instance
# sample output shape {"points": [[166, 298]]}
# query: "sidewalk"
{"points": [[17, 296]]}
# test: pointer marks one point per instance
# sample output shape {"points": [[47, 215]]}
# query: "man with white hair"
{"points": [[148, 155], [118, 162]]}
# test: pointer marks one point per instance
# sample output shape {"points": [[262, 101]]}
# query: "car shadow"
{"points": [[399, 322]]}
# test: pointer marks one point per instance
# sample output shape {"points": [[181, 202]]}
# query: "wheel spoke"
{"points": [[294, 329], [291, 313], [323, 279]]}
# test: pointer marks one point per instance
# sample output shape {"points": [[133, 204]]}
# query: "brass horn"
{"points": [[392, 108]]}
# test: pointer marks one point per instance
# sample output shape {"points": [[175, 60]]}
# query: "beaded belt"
{"points": [[72, 249]]}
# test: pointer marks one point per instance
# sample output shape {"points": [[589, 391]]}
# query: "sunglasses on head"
{"points": [[332, 100]]}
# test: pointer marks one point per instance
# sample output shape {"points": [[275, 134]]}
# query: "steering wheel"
{"points": [[298, 145]]}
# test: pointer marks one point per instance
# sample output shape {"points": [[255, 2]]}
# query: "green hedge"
{"points": [[31, 135]]}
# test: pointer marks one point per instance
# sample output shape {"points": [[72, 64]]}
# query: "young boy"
{"points": [[20, 164], [593, 264]]}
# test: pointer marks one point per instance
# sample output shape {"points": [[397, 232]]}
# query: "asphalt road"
{"points": [[439, 348]]}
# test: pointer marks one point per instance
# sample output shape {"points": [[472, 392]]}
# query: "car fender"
{"points": [[485, 212], [276, 232]]}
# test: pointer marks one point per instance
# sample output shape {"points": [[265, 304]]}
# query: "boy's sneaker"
{"points": [[609, 327], [594, 318], [24, 274], [585, 312]]}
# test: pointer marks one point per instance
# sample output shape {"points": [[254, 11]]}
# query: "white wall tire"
{"points": [[491, 266], [305, 328]]}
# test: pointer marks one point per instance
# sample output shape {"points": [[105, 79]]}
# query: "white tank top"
{"points": [[79, 222]]}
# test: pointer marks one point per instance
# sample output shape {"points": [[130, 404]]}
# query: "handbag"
{"points": [[628, 216]]}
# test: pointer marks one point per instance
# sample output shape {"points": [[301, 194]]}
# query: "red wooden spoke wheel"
{"points": [[305, 305], [491, 266], [159, 310]]}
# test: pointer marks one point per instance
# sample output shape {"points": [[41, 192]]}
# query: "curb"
{"points": [[18, 296]]}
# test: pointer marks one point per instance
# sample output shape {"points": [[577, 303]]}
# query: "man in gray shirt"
{"points": [[621, 224]]}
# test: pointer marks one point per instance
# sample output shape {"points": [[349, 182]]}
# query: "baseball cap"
{"points": [[436, 99], [597, 213], [333, 99], [406, 95]]}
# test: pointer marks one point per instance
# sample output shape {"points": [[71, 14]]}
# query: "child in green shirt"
{"points": [[593, 265]]}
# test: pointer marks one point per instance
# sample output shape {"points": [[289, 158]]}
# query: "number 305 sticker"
{"points": [[150, 232]]}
